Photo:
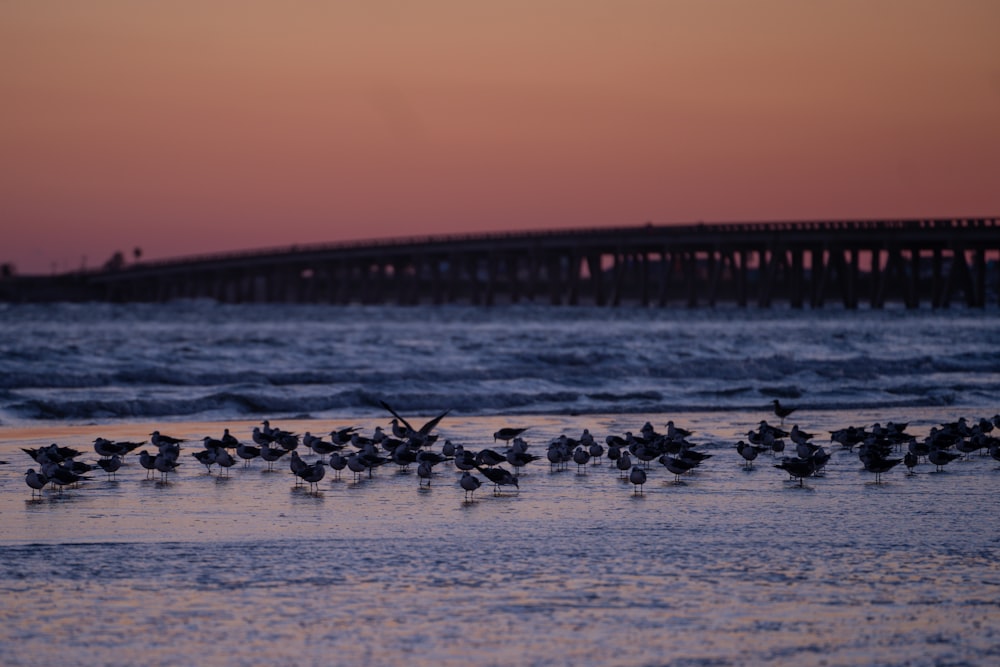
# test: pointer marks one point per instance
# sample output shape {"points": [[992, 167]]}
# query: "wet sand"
{"points": [[728, 567]]}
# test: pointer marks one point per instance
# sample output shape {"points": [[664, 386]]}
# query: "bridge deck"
{"points": [[800, 263]]}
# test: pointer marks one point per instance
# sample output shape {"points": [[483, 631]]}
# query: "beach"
{"points": [[729, 566]]}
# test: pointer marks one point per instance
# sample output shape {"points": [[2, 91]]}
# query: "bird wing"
{"points": [[396, 415], [429, 426]]}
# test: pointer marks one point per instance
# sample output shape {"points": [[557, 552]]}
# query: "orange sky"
{"points": [[185, 127]]}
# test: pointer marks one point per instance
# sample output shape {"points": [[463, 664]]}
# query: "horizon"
{"points": [[183, 129]]}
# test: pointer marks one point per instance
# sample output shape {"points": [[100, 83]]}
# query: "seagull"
{"points": [[499, 477], [297, 466], [797, 468], [995, 452], [338, 462], [62, 476], [624, 463], [271, 454], [229, 440], [37, 481], [489, 457], [147, 461], [247, 452], [508, 433], [355, 465], [424, 471], [110, 465], [520, 459], [260, 438], [879, 465], [748, 452], [106, 449], [166, 465], [206, 457], [313, 474], [941, 458], [421, 436], [581, 457], [638, 477], [781, 412], [678, 466], [470, 483], [225, 460], [159, 440]]}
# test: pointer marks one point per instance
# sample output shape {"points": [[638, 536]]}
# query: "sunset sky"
{"points": [[189, 127]]}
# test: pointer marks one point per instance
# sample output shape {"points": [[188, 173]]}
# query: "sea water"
{"points": [[728, 565]]}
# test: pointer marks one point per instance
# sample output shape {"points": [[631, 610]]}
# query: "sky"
{"points": [[188, 127]]}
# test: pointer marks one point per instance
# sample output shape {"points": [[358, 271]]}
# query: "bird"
{"points": [[941, 458], [470, 483], [518, 459], [995, 452], [297, 465], [110, 465], [424, 471], [313, 474], [61, 476], [499, 477], [624, 464], [247, 452], [879, 466], [508, 433], [271, 454], [638, 477], [678, 466], [355, 465], [910, 460], [748, 452], [229, 441], [106, 449], [337, 463], [165, 464], [797, 468], [206, 457], [489, 457], [157, 439], [36, 480], [421, 436], [148, 462], [225, 460], [781, 411]]}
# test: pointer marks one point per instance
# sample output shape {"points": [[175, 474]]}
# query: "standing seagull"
{"points": [[499, 477], [781, 411], [638, 477], [470, 483], [37, 481], [110, 465], [507, 433]]}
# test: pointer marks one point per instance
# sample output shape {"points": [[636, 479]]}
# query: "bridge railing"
{"points": [[660, 230]]}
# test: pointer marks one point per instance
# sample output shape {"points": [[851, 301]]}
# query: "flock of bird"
{"points": [[878, 448]]}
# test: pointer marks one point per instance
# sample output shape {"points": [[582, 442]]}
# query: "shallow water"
{"points": [[729, 567]]}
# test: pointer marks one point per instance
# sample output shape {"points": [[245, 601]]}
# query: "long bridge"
{"points": [[912, 262]]}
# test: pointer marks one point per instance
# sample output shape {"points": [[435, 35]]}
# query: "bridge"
{"points": [[912, 262]]}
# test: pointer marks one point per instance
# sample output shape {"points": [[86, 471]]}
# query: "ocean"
{"points": [[725, 565]]}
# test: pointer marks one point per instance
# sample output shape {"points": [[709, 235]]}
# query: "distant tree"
{"points": [[116, 262], [137, 253], [7, 270]]}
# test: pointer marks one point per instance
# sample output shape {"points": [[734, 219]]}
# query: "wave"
{"points": [[71, 362]]}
